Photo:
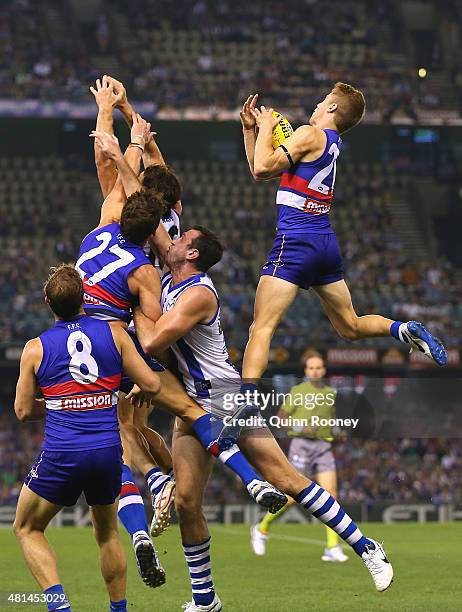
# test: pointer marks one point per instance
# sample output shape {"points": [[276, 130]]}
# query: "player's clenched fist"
{"points": [[104, 93]]}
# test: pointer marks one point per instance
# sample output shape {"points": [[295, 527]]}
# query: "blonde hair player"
{"points": [[310, 451], [305, 252]]}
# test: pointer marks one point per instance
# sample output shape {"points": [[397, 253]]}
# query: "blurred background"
{"points": [[187, 67]]}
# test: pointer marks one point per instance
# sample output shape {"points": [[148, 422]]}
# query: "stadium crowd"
{"points": [[202, 53], [368, 471], [381, 275]]}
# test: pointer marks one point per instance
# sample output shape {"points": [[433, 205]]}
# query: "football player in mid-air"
{"points": [[117, 274], [305, 252], [190, 326]]}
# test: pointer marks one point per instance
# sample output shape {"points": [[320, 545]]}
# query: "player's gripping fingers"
{"points": [[256, 113], [146, 131], [118, 86], [253, 101]]}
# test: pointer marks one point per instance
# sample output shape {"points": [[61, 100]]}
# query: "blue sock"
{"points": [[233, 458], [118, 606], [156, 480], [396, 332], [198, 559], [57, 599], [248, 387], [131, 508], [324, 507]]}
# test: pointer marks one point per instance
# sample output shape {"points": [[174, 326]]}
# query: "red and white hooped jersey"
{"points": [[306, 191]]}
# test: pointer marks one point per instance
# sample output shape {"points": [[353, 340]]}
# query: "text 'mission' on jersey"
{"points": [[106, 258], [201, 354], [306, 191], [79, 377]]}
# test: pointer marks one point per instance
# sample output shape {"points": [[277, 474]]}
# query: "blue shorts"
{"points": [[126, 383], [61, 477], [305, 259]]}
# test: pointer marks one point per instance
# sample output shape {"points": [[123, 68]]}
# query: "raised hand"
{"points": [[104, 93], [141, 130], [119, 91], [108, 144], [264, 116], [247, 118]]}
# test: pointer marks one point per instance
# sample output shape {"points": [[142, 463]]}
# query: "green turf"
{"points": [[426, 559]]}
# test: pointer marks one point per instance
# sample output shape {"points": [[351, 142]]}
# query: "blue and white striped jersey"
{"points": [[202, 356]]}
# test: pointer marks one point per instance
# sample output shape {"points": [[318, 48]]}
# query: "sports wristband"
{"points": [[135, 144], [138, 139], [289, 157]]}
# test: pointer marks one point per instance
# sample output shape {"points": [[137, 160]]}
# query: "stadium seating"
{"points": [[369, 471], [44, 204], [201, 53]]}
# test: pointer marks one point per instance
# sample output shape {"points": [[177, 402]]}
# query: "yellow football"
{"points": [[282, 131]]}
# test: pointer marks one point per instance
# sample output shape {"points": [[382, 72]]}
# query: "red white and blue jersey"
{"points": [[106, 258], [79, 377], [306, 191]]}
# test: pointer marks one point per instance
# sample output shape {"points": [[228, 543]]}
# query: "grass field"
{"points": [[426, 560]]}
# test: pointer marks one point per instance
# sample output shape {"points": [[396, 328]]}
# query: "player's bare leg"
{"points": [[265, 454], [338, 306], [160, 477], [33, 515], [173, 397], [272, 300], [193, 466], [336, 301], [157, 445], [112, 553], [131, 507], [333, 551]]}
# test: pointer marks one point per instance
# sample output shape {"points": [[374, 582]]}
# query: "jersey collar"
{"points": [[188, 281]]}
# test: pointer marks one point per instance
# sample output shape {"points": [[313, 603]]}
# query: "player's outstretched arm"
{"points": [[106, 99], [111, 208], [133, 364], [269, 162], [26, 405], [128, 165], [152, 154], [196, 305]]}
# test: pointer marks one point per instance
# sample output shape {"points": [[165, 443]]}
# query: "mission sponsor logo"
{"points": [[87, 402], [315, 207]]}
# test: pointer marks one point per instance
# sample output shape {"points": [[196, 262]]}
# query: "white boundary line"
{"points": [[274, 536]]}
